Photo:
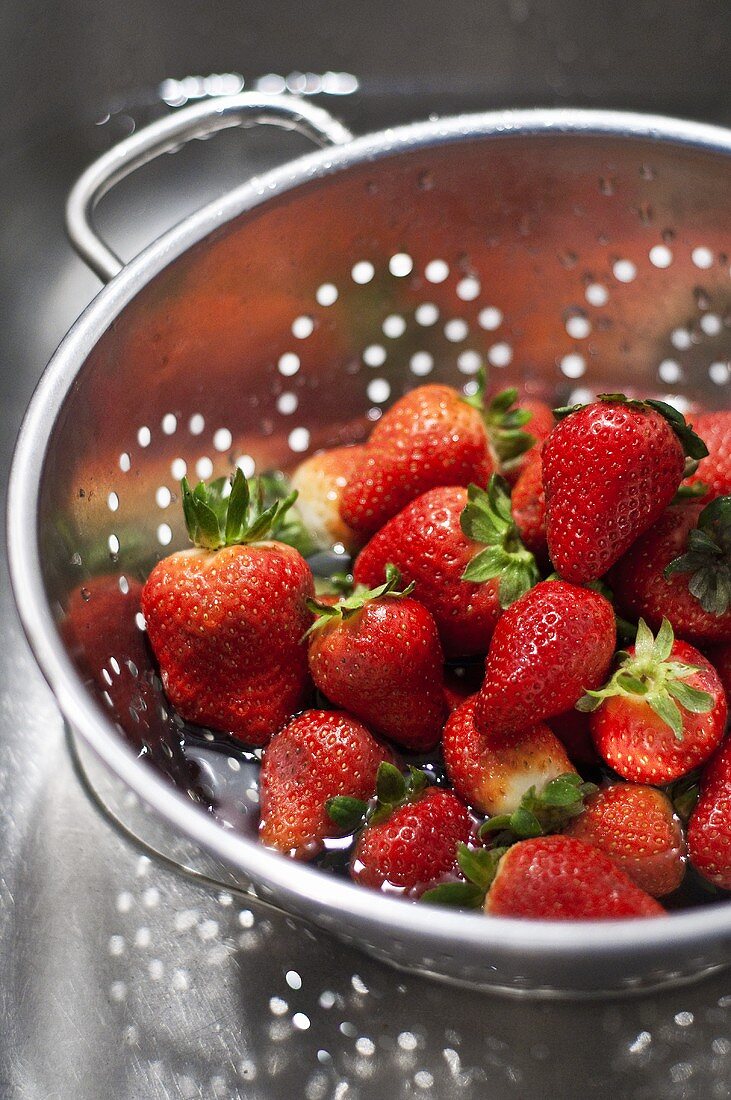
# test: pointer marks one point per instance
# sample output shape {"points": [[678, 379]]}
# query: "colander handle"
{"points": [[169, 133]]}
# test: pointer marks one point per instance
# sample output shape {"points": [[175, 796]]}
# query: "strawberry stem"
{"points": [[479, 867], [539, 814], [393, 789]]}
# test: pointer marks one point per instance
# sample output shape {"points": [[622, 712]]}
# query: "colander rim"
{"points": [[290, 879]]}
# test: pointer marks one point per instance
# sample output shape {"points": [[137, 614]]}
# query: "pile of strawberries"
{"points": [[479, 630]]}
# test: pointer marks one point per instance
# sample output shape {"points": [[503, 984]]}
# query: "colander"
{"points": [[568, 251]]}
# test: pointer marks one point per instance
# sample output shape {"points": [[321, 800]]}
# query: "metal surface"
{"points": [[517, 220], [167, 135]]}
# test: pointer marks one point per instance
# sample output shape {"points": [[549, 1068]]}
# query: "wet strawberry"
{"points": [[714, 428], [560, 878], [461, 550], [320, 482], [681, 570], [609, 471], [662, 713], [434, 436], [709, 830], [226, 619], [492, 772], [319, 755], [377, 654], [529, 507], [720, 658], [636, 827], [547, 649]]}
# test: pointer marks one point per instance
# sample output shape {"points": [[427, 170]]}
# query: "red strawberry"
{"points": [[559, 878], [720, 658], [377, 654], [320, 482], [431, 437], [319, 755], [636, 827], [714, 428], [709, 830], [609, 471], [411, 840], [540, 424], [547, 649], [461, 550], [492, 772], [662, 713], [226, 619], [529, 506], [681, 570]]}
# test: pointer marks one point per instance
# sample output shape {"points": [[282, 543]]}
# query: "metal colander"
{"points": [[566, 251]]}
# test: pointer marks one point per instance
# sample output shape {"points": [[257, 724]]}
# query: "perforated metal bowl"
{"points": [[569, 251]]}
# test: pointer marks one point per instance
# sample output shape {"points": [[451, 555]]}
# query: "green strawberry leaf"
{"points": [[684, 794], [652, 676], [685, 492], [540, 813], [708, 558], [503, 423], [347, 606], [462, 895], [347, 813], [390, 784], [216, 518], [487, 519], [693, 445]]}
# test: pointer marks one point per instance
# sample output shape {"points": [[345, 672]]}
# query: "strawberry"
{"points": [[377, 655], [560, 878], [226, 619], [714, 428], [681, 570], [548, 647], [539, 425], [636, 827], [609, 471], [720, 658], [431, 437], [460, 548], [319, 755], [411, 838], [662, 713], [709, 830], [320, 482], [492, 772], [529, 506]]}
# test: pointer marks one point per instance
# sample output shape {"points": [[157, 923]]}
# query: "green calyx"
{"points": [[291, 527], [693, 446], [393, 789], [690, 492], [684, 794], [708, 558], [503, 422], [650, 676], [540, 813], [479, 867], [348, 606], [487, 518], [216, 518]]}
